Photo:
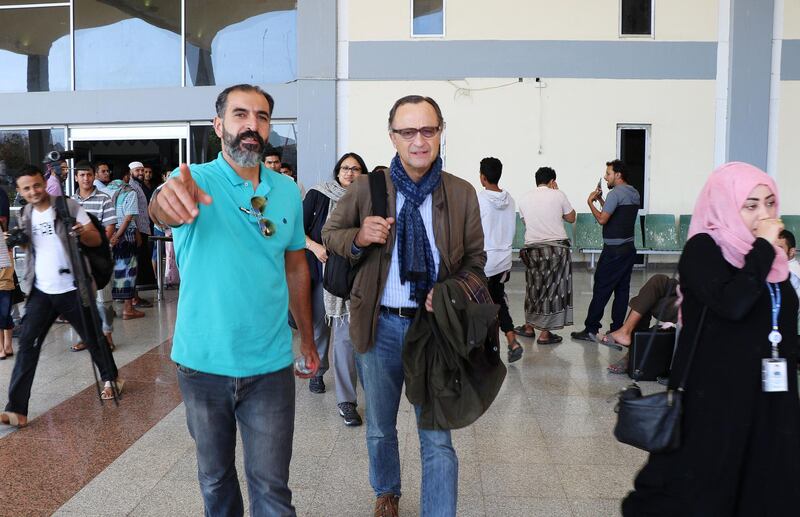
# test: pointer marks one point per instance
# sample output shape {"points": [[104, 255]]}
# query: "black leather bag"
{"points": [[653, 422], [338, 274], [661, 347]]}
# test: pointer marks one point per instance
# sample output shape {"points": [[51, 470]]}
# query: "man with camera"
{"points": [[51, 287]]}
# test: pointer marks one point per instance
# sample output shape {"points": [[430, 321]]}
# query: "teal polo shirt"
{"points": [[233, 303]]}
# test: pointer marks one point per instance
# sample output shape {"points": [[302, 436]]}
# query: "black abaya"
{"points": [[740, 452]]}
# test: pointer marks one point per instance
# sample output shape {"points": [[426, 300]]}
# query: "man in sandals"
{"points": [[547, 259], [98, 204], [51, 288], [498, 219]]}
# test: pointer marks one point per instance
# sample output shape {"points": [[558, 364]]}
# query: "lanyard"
{"points": [[775, 335]]}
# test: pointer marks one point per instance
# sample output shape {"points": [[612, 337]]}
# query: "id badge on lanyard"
{"points": [[773, 369]]}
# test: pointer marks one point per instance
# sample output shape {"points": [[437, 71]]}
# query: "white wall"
{"points": [[791, 19], [675, 20], [788, 148], [579, 119]]}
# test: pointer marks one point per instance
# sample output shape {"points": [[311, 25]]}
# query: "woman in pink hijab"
{"points": [[740, 441]]}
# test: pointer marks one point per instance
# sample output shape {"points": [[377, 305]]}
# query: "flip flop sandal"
{"points": [[78, 347], [107, 395], [620, 366], [515, 354], [13, 420], [554, 339], [520, 331], [608, 341]]}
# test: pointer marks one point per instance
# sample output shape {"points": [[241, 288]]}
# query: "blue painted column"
{"points": [[316, 96], [749, 81]]}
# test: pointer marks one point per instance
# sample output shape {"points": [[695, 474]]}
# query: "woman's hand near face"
{"points": [[769, 229]]}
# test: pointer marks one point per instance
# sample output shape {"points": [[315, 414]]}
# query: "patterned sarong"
{"points": [[124, 282], [548, 278]]}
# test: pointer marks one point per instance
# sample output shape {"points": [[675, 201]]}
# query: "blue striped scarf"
{"points": [[413, 249]]}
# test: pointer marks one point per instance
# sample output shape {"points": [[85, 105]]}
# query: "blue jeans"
{"points": [[381, 372], [263, 408]]}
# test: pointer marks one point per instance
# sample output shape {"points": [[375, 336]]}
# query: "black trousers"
{"points": [[497, 290], [41, 311], [612, 276]]}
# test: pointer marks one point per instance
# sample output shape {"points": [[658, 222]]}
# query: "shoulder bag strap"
{"points": [[377, 191], [685, 375]]}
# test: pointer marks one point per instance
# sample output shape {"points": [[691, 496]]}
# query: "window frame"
{"points": [[429, 36], [652, 34]]}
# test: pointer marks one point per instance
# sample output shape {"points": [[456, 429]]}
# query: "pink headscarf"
{"points": [[717, 213]]}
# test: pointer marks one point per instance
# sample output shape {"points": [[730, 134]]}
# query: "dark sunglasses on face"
{"points": [[409, 133], [258, 204]]}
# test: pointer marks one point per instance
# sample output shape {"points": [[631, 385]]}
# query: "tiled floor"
{"points": [[544, 448]]}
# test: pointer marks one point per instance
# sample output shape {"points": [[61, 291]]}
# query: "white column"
{"points": [[774, 90], [342, 84], [722, 83]]}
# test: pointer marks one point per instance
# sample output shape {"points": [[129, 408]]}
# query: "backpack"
{"points": [[100, 258], [338, 274]]}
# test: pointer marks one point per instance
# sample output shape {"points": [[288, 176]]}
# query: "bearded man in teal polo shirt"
{"points": [[239, 245]]}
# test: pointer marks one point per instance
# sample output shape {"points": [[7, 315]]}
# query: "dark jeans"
{"points": [[497, 290], [612, 276], [41, 311], [262, 407]]}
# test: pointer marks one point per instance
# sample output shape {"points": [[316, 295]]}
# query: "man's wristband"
{"points": [[355, 250]]}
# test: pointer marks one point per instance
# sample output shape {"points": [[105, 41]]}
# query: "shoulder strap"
{"points": [[377, 191], [685, 375]]}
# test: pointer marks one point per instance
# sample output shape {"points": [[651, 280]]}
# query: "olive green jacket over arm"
{"points": [[457, 231]]}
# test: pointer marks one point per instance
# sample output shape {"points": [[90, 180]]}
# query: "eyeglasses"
{"points": [[409, 133], [259, 204], [355, 169]]}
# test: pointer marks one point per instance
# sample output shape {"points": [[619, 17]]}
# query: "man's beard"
{"points": [[243, 156]]}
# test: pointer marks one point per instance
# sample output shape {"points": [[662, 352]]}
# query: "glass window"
{"points": [[29, 2], [246, 41], [206, 144], [19, 147], [637, 18], [34, 49], [428, 18], [127, 44]]}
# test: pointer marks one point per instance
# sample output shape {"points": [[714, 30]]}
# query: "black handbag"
{"points": [[338, 273], [653, 422]]}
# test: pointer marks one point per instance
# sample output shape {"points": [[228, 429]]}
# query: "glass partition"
{"points": [[19, 147], [247, 41], [205, 144], [34, 49], [127, 44]]}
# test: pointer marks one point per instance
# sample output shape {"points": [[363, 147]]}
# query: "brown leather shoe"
{"points": [[387, 505]]}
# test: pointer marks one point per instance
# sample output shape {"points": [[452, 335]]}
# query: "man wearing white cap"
{"points": [[143, 225]]}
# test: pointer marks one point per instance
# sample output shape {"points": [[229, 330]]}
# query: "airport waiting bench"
{"points": [[656, 234]]}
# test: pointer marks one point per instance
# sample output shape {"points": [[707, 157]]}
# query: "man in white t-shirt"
{"points": [[547, 259], [51, 288], [498, 218]]}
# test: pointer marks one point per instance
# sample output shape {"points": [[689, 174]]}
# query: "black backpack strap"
{"points": [[377, 191]]}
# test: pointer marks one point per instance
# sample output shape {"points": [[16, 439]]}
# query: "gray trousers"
{"points": [[322, 332], [344, 363], [105, 308]]}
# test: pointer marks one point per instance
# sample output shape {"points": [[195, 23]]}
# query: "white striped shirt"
{"points": [[396, 294]]}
